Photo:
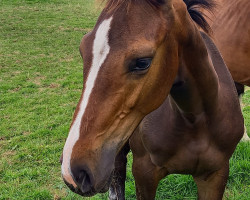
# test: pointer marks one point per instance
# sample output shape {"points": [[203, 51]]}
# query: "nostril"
{"points": [[84, 180]]}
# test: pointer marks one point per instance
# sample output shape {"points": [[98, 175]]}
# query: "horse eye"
{"points": [[141, 64]]}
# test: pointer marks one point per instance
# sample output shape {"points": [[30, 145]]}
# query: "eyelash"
{"points": [[140, 64]]}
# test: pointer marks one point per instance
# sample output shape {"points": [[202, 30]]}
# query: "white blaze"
{"points": [[101, 49]]}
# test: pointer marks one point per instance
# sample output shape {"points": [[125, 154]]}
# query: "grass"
{"points": [[40, 84]]}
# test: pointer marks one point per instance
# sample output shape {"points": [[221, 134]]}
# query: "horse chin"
{"points": [[105, 187]]}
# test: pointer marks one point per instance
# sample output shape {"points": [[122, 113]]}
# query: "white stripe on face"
{"points": [[100, 52]]}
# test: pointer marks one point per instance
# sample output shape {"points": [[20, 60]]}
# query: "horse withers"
{"points": [[152, 78]]}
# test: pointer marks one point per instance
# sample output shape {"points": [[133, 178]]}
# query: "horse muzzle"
{"points": [[85, 184]]}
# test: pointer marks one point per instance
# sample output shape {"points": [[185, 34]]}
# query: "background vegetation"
{"points": [[40, 84]]}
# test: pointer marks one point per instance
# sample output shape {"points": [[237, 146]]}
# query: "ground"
{"points": [[40, 84]]}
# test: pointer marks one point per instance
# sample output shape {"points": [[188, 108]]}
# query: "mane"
{"points": [[195, 9]]}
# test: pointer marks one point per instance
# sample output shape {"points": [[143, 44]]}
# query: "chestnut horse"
{"points": [[231, 27], [151, 78]]}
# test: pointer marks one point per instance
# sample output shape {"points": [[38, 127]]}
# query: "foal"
{"points": [[147, 64]]}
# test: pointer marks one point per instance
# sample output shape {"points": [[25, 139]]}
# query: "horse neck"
{"points": [[196, 88]]}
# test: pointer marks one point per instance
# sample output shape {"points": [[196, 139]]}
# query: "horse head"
{"points": [[131, 59]]}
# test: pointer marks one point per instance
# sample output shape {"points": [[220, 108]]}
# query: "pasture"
{"points": [[40, 84]]}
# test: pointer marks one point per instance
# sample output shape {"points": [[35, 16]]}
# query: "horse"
{"points": [[230, 25], [152, 79], [231, 28]]}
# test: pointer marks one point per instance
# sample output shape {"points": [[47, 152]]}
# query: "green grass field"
{"points": [[40, 84]]}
